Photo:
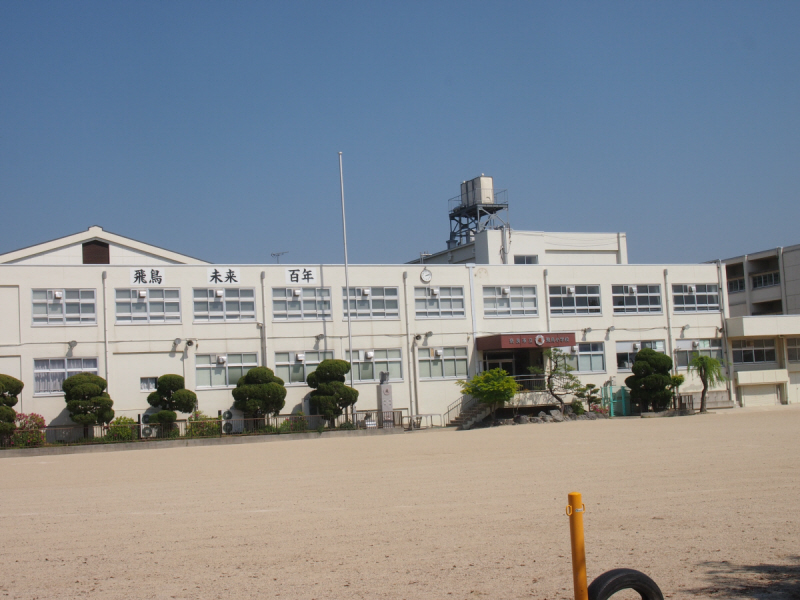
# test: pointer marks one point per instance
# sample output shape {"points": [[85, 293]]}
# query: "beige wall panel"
{"points": [[126, 372], [760, 395], [10, 365], [10, 322]]}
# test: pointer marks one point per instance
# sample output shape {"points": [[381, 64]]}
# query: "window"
{"points": [[626, 351], [766, 280], [589, 357], [753, 351], [228, 304], [636, 298], [49, 374], [439, 302], [371, 303], [439, 363], [695, 298], [793, 349], [295, 367], [221, 370], [64, 307], [368, 364], [509, 301], [736, 285], [686, 349], [575, 300], [523, 259], [148, 384], [148, 306], [301, 304]]}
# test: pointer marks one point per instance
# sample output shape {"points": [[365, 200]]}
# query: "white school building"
{"points": [[131, 312]]}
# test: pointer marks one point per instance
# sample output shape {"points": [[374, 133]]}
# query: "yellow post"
{"points": [[575, 510]]}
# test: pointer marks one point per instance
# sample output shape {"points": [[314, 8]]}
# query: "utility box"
{"points": [[385, 406]]}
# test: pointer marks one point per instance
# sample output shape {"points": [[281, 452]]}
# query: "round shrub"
{"points": [[259, 393], [330, 396], [10, 387], [87, 401], [171, 396]]}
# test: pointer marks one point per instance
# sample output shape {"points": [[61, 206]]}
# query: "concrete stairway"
{"points": [[467, 418]]}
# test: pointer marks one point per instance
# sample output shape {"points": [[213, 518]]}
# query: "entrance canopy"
{"points": [[514, 341]]}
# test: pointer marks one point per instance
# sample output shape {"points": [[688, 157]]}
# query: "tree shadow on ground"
{"points": [[728, 580]]}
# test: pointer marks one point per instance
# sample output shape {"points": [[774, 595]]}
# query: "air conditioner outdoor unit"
{"points": [[218, 293], [434, 291], [58, 295], [369, 354], [637, 346], [365, 292], [221, 360], [147, 430], [300, 357], [695, 344], [692, 288], [571, 290], [296, 292], [506, 291], [438, 352], [632, 290], [142, 293]]}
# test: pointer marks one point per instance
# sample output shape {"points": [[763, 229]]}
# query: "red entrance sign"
{"points": [[512, 341]]}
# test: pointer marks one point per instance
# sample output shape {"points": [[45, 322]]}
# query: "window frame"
{"points": [[754, 347], [739, 285], [498, 295], [563, 292], [696, 308], [632, 353], [358, 296], [711, 347], [793, 349], [765, 280], [211, 365], [638, 309], [148, 300], [47, 302], [527, 259], [389, 360], [456, 357], [66, 371], [292, 361], [224, 312], [148, 390], [302, 314], [440, 296]]}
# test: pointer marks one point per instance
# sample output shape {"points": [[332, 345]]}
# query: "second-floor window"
{"points": [[301, 304], [736, 285], [371, 303], [628, 299], [766, 280], [509, 301], [695, 298], [368, 364], [575, 300], [753, 351], [442, 363], [228, 304], [446, 302], [148, 305], [64, 307]]}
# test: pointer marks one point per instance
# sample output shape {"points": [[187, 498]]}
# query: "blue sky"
{"points": [[213, 128]]}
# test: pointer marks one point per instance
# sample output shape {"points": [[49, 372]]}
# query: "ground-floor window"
{"points": [[295, 367], [686, 349], [222, 370], [440, 363], [49, 373], [148, 384], [588, 357], [367, 365], [626, 351], [793, 349]]}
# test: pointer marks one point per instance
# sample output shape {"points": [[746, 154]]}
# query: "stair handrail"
{"points": [[456, 408]]}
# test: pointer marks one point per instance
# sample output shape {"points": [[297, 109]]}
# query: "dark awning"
{"points": [[512, 341]]}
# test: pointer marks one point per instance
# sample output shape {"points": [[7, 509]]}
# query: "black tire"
{"points": [[616, 580]]}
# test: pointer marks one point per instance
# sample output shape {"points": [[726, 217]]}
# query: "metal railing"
{"points": [[455, 409], [427, 421], [531, 383]]}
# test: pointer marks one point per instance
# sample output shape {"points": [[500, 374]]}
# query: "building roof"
{"points": [[95, 232]]}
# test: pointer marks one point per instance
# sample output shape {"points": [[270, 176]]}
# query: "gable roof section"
{"points": [[95, 232]]}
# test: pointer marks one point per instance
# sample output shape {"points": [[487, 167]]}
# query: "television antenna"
{"points": [[277, 256]]}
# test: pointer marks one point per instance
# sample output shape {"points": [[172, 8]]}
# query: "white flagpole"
{"points": [[347, 284]]}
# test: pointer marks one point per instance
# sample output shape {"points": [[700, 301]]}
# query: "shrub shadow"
{"points": [[728, 580]]}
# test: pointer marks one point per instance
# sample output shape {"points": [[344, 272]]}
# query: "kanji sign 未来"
{"points": [[223, 276]]}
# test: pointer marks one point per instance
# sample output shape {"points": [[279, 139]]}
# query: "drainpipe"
{"points": [[782, 271], [105, 332], [668, 309], [263, 321], [471, 268], [724, 314], [412, 379], [747, 285], [546, 302]]}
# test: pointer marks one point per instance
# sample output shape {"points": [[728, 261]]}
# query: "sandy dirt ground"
{"points": [[706, 505]]}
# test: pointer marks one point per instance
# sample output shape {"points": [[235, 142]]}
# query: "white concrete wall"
{"points": [[73, 255]]}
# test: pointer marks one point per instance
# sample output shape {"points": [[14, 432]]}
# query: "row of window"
{"points": [[158, 305], [761, 280], [225, 370]]}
